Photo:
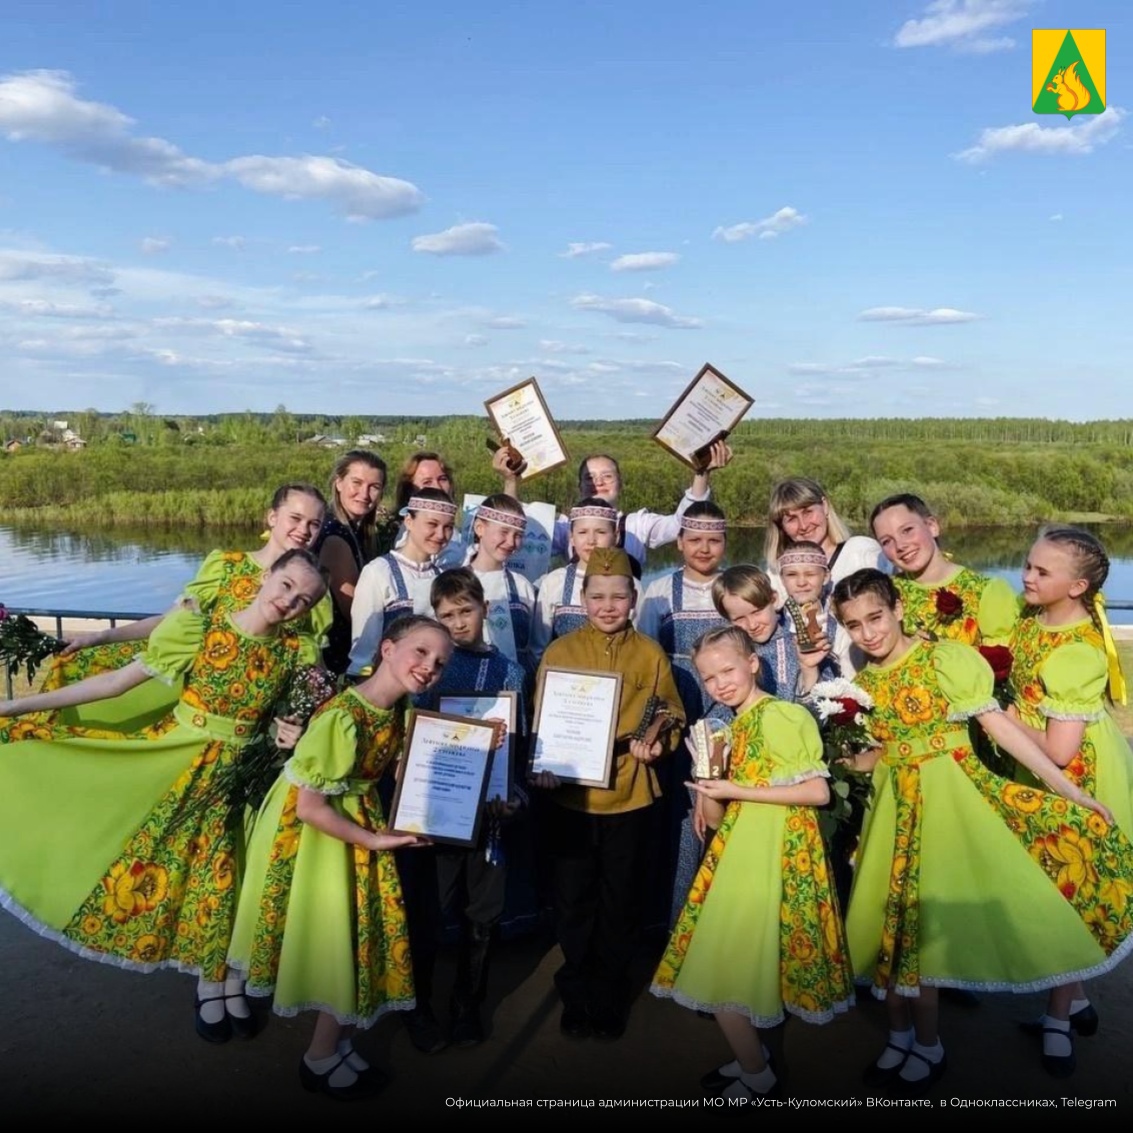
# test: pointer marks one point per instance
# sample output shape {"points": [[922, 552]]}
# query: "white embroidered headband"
{"points": [[802, 558], [593, 511], [420, 503], [703, 523], [503, 518]]}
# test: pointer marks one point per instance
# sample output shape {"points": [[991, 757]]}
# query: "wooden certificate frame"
{"points": [[442, 778], [482, 706], [698, 415], [541, 445], [575, 725]]}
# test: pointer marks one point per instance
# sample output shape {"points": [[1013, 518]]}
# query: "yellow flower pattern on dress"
{"points": [[1031, 646], [922, 616], [814, 973], [384, 970], [169, 898], [1066, 840]]}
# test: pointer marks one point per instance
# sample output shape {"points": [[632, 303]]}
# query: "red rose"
{"points": [[849, 710], [999, 658], [948, 605]]}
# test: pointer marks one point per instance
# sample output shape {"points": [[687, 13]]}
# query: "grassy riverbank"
{"points": [[973, 472]]}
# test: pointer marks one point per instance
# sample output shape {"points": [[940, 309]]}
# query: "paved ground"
{"points": [[87, 1040]]}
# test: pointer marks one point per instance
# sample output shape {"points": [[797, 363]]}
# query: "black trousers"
{"points": [[599, 869]]}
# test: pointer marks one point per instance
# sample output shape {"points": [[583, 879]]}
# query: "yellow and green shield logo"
{"points": [[1068, 71]]}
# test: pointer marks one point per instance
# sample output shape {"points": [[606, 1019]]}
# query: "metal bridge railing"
{"points": [[61, 616]]}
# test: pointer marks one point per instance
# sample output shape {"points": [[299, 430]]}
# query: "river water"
{"points": [[141, 572]]}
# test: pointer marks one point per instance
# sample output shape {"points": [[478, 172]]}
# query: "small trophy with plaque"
{"points": [[709, 743], [807, 617]]}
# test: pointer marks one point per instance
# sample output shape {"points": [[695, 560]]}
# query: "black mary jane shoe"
{"points": [[367, 1083], [715, 1081], [218, 1032], [876, 1076], [1060, 1065], [243, 1026], [914, 1087]]}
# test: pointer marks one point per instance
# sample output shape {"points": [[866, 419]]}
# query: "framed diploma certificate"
{"points": [[522, 418], [708, 410], [576, 720], [442, 778], [489, 706]]}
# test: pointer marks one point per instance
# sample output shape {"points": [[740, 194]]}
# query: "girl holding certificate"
{"points": [[321, 921]]}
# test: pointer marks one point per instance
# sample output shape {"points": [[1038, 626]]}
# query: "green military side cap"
{"points": [[609, 560]]}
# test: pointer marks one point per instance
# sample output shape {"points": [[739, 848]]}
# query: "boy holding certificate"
{"points": [[599, 837], [474, 880]]}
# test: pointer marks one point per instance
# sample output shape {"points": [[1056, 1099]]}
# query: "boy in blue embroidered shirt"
{"points": [[473, 881]]}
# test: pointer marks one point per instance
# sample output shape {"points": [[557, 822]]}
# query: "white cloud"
{"points": [[645, 261], [505, 322], [153, 245], [962, 24], [59, 269], [1056, 216], [321, 123], [575, 250], [1081, 135], [635, 311], [766, 229], [42, 106], [863, 367], [554, 346], [476, 239], [43, 308], [356, 192], [214, 302], [236, 243], [278, 338], [917, 316], [304, 249], [379, 303], [475, 340]]}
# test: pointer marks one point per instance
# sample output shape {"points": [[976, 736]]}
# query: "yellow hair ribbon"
{"points": [[265, 536], [1113, 661]]}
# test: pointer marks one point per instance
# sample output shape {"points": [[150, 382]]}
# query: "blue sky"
{"points": [[848, 208]]}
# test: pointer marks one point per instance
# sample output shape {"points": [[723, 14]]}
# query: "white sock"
{"points": [[353, 1059], [914, 1069], [211, 1012], [731, 1069], [234, 1002], [343, 1074], [1059, 1045], [890, 1058], [760, 1083], [1077, 1005]]}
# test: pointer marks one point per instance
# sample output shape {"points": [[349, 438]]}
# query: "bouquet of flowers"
{"points": [[843, 709], [243, 783], [23, 643], [1000, 659]]}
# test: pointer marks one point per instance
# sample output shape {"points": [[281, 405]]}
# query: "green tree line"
{"points": [[221, 471]]}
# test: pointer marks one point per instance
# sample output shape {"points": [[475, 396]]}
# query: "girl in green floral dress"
{"points": [[226, 580], [321, 923], [1065, 671], [940, 599], [125, 848], [965, 879], [760, 934]]}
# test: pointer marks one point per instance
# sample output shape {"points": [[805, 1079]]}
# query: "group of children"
{"points": [[960, 877]]}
